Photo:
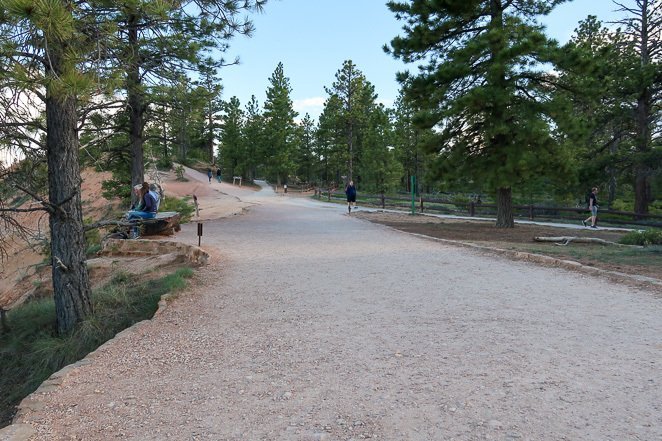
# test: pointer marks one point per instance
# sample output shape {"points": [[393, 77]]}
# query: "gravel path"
{"points": [[312, 325]]}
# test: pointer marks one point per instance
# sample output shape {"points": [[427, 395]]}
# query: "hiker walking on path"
{"points": [[218, 175], [593, 208], [350, 191], [209, 174]]}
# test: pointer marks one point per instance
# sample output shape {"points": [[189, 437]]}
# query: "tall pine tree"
{"points": [[279, 127], [481, 88]]}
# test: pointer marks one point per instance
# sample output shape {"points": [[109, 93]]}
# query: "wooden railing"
{"points": [[531, 212]]}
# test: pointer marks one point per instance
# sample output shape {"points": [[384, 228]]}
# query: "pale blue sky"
{"points": [[312, 38]]}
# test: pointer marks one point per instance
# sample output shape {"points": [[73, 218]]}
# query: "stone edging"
{"points": [[23, 432]]}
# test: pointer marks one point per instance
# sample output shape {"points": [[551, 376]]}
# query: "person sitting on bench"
{"points": [[146, 208]]}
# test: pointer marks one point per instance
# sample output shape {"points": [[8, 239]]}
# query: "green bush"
{"points": [[183, 206], [164, 163], [643, 238], [179, 171]]}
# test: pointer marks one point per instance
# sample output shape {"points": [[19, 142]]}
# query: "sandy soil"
{"points": [[23, 276], [19, 271], [313, 325]]}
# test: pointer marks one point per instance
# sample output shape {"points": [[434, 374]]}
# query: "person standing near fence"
{"points": [[593, 208], [350, 192]]}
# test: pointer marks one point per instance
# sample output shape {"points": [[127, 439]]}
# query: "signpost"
{"points": [[199, 233]]}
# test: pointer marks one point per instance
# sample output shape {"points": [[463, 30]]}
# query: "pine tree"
{"points": [[253, 139], [43, 56], [305, 160], [592, 114], [279, 127], [231, 147], [408, 142], [482, 89], [643, 28], [356, 96]]}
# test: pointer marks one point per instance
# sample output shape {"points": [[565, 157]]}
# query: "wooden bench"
{"points": [[165, 224]]}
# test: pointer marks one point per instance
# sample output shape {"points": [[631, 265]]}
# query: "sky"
{"points": [[312, 38]]}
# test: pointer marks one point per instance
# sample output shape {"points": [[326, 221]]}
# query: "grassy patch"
{"points": [[31, 351], [594, 255]]}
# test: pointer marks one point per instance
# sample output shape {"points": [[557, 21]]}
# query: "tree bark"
{"points": [[643, 113], [504, 201], [71, 284], [136, 102]]}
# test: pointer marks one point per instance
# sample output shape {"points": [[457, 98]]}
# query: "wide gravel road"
{"points": [[309, 324]]}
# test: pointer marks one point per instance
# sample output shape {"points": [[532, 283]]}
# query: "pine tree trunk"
{"points": [[643, 113], [641, 189], [504, 201], [71, 284], [136, 106], [641, 171]]}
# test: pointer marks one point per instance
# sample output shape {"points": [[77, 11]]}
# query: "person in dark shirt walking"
{"points": [[350, 192], [593, 208]]}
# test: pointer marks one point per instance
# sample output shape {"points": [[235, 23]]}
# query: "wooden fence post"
{"points": [[383, 201], [472, 209], [421, 204], [530, 212]]}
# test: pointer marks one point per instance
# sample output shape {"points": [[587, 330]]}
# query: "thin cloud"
{"points": [[309, 104]]}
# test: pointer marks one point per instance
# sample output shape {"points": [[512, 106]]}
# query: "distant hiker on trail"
{"points": [[209, 174], [350, 191], [593, 208], [218, 175]]}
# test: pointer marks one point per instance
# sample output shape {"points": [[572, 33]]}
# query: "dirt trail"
{"points": [[313, 325]]}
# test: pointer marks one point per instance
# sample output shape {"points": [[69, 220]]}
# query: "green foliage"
{"points": [[31, 352], [643, 238], [482, 90], [231, 146], [179, 171], [164, 163], [279, 129], [183, 206]]}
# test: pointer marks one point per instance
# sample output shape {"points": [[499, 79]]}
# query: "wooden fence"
{"points": [[531, 212]]}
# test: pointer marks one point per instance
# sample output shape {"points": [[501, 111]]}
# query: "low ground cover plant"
{"points": [[31, 351]]}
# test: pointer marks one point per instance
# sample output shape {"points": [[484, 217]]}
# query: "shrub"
{"points": [[179, 171], [643, 238], [183, 206]]}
